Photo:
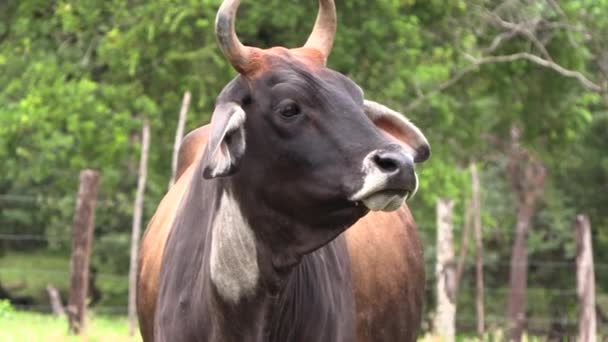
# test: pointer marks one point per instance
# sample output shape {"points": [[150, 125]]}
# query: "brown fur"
{"points": [[150, 257], [385, 251], [388, 273], [189, 148], [260, 60], [155, 237]]}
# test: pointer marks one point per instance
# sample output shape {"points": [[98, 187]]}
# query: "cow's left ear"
{"points": [[398, 127], [226, 145]]}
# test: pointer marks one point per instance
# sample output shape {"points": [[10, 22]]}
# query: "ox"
{"points": [[248, 245]]}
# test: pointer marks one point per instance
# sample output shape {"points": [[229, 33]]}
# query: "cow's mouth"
{"points": [[342, 212], [386, 200]]}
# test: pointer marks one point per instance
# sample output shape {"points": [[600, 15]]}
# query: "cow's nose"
{"points": [[389, 161], [397, 166]]}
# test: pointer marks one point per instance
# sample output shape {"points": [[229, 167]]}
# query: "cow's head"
{"points": [[301, 137]]}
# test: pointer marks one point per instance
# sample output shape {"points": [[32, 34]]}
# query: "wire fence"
{"points": [[58, 272], [38, 238], [468, 262], [546, 264], [45, 200]]}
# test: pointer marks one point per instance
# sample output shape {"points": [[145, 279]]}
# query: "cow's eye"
{"points": [[288, 109]]}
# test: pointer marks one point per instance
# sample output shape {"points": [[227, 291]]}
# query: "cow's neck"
{"points": [[254, 285]]}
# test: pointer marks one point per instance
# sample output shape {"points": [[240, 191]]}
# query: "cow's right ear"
{"points": [[401, 129], [226, 145]]}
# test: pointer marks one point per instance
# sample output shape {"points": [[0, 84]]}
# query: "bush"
{"points": [[6, 309]]}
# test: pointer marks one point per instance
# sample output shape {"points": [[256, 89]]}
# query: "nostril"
{"points": [[386, 163]]}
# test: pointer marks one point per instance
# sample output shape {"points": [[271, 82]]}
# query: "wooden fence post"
{"points": [[445, 272], [179, 134], [55, 300], [585, 279], [136, 229], [82, 236]]}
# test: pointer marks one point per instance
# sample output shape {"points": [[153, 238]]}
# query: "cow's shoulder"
{"points": [[154, 240]]}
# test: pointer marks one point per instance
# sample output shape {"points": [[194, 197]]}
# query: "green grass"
{"points": [[18, 326], [27, 274]]}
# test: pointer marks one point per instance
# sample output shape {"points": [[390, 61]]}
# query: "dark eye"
{"points": [[289, 109]]}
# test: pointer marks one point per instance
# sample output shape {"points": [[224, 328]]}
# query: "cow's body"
{"points": [[253, 242], [383, 249]]}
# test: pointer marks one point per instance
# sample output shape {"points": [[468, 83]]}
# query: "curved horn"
{"points": [[236, 53], [322, 36]]}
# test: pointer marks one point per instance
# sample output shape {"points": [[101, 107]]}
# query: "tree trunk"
{"points": [[444, 270], [527, 177], [585, 276], [82, 236], [479, 287], [464, 245], [136, 229], [519, 274], [179, 134]]}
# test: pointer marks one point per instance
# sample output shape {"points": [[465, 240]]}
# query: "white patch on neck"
{"points": [[234, 263]]}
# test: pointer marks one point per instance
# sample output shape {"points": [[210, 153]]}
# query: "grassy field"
{"points": [[17, 326], [26, 274]]}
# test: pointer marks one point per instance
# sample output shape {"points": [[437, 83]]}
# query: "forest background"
{"points": [[500, 84]]}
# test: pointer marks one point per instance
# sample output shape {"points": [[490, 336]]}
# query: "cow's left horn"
{"points": [[322, 36], [238, 54]]}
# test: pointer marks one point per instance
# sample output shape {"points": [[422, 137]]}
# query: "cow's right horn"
{"points": [[322, 35], [237, 54]]}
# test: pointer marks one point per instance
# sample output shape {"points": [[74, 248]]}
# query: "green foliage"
{"points": [[6, 309]]}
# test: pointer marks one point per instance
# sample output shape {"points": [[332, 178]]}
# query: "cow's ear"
{"points": [[398, 127], [226, 145]]}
